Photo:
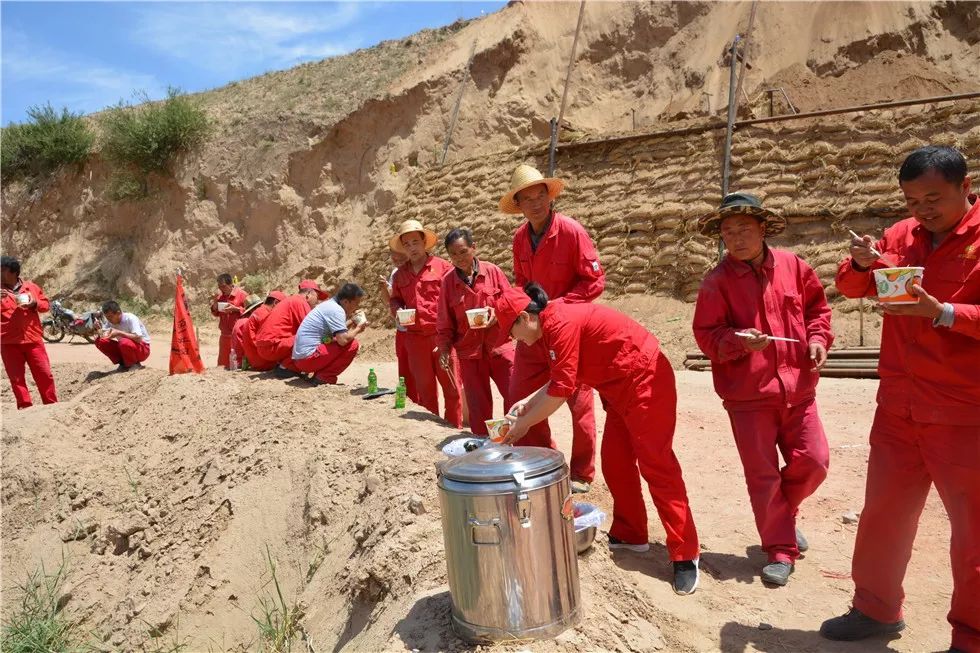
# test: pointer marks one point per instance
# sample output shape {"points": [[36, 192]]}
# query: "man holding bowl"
{"points": [[466, 326], [927, 425], [414, 302], [228, 306], [768, 385]]}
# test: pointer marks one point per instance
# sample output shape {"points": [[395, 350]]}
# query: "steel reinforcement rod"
{"points": [[721, 124]]}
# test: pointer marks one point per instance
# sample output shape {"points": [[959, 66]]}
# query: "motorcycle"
{"points": [[63, 321]]}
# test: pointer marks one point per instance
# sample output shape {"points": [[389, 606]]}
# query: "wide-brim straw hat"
{"points": [[411, 226], [741, 204], [526, 176], [251, 308]]}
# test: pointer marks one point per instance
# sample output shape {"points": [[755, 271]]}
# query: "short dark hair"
{"points": [[947, 161], [456, 234], [539, 298], [111, 306], [10, 263], [349, 291], [224, 278], [270, 301]]}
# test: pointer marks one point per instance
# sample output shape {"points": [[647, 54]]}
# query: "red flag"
{"points": [[185, 356]]}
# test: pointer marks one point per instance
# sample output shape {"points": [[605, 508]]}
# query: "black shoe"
{"points": [[282, 373], [122, 368], [801, 543], [856, 625], [955, 650], [777, 573], [686, 576]]}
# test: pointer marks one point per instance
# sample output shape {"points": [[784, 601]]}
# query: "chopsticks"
{"points": [[874, 251], [743, 334]]}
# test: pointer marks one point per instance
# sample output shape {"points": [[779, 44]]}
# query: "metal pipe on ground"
{"points": [[720, 124], [571, 64]]}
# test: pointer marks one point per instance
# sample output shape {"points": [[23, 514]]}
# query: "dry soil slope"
{"points": [[306, 163]]}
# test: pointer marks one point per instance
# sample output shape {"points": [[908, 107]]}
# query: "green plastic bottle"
{"points": [[245, 363], [372, 381], [400, 393]]}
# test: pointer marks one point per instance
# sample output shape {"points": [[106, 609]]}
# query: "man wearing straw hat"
{"points": [[556, 252], [417, 285], [763, 320], [926, 428]]}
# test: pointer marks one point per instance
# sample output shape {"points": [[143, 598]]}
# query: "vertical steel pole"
{"points": [[459, 101], [552, 144], [727, 155], [571, 63], [861, 321]]}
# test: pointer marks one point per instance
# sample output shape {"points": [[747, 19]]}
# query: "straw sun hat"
{"points": [[526, 176], [411, 226], [741, 204]]}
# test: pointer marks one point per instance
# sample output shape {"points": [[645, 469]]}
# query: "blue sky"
{"points": [[89, 55]]}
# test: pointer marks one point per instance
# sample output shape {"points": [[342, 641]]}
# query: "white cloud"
{"points": [[65, 79], [232, 39]]}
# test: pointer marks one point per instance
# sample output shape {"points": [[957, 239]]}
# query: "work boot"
{"points": [[580, 487], [686, 576], [616, 544], [856, 625], [801, 542], [777, 573]]}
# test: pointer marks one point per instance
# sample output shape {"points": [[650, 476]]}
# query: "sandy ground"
{"points": [[206, 471]]}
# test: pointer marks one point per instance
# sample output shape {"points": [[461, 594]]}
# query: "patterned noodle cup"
{"points": [[478, 317], [406, 316], [223, 306], [24, 298], [497, 429], [895, 284], [359, 318]]}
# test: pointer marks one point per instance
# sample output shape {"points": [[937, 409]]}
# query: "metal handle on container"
{"points": [[524, 510], [475, 523]]}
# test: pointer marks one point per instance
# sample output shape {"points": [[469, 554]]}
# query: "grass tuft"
{"points": [[278, 623], [38, 624]]}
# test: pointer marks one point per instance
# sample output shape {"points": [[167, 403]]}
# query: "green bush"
{"points": [[148, 136], [44, 144], [255, 284], [126, 186]]}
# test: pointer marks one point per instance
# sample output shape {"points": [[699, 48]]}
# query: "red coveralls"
{"points": [[769, 394], [274, 339], [236, 339], [566, 265], [479, 359], [226, 321], [123, 351], [927, 426], [421, 292], [21, 345], [252, 325], [596, 346]]}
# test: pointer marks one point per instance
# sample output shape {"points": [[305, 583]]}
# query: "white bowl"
{"points": [[223, 306], [478, 317], [406, 316], [894, 284]]}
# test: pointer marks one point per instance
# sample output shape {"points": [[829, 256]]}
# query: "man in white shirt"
{"points": [[325, 343], [126, 342]]}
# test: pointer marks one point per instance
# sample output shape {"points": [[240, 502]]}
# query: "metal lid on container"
{"points": [[491, 464]]}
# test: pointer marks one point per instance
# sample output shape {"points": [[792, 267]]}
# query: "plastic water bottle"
{"points": [[400, 393], [372, 381], [232, 360]]}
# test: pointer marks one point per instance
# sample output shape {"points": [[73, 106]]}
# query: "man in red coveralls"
{"points": [[473, 284], [236, 335], [274, 340], [555, 251], [252, 325], [235, 299], [927, 425], [417, 285], [20, 335], [601, 347], [768, 386]]}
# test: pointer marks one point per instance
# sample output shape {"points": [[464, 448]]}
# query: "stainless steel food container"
{"points": [[510, 543]]}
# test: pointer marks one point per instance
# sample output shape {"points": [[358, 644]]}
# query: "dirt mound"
{"points": [[307, 164], [169, 497], [166, 505]]}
